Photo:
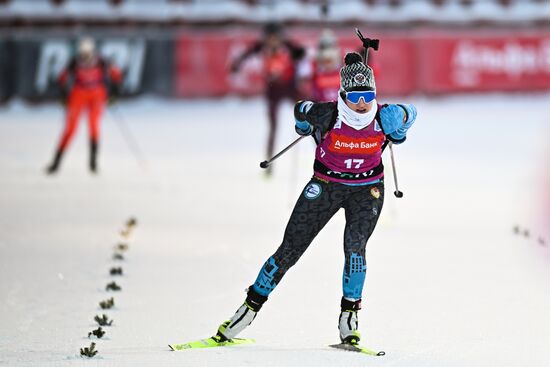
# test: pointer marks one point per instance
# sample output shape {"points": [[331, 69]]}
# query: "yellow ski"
{"points": [[354, 347], [211, 342]]}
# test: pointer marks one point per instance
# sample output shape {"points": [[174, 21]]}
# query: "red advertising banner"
{"points": [[203, 62], [484, 63], [420, 62]]}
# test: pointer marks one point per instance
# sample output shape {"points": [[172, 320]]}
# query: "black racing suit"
{"points": [[319, 201]]}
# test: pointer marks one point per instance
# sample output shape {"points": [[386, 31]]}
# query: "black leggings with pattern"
{"points": [[319, 201]]}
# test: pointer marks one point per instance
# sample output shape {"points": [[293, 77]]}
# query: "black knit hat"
{"points": [[355, 75]]}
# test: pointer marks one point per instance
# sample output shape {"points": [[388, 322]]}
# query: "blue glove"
{"points": [[302, 127], [411, 116], [397, 119], [391, 118]]}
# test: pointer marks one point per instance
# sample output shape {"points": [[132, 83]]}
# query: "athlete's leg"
{"points": [[96, 108], [74, 107], [318, 202], [362, 212]]}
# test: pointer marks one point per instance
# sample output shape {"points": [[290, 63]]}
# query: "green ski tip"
{"points": [[210, 343]]}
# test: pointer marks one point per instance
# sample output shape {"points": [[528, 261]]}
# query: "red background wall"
{"points": [[421, 62]]}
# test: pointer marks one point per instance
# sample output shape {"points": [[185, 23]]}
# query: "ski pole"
{"points": [[397, 193], [129, 138], [374, 44], [266, 164]]}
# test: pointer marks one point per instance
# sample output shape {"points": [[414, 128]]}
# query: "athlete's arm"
{"points": [[310, 116], [253, 49], [66, 73], [296, 52]]}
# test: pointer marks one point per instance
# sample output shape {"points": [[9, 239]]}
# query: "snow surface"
{"points": [[448, 282]]}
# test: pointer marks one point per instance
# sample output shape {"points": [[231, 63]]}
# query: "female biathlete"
{"points": [[348, 174]]}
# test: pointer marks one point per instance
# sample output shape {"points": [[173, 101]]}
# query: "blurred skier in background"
{"points": [[320, 77], [86, 84], [280, 57]]}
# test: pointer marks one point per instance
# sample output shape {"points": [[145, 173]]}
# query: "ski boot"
{"points": [[349, 322], [242, 318], [93, 156], [54, 166], [52, 169]]}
